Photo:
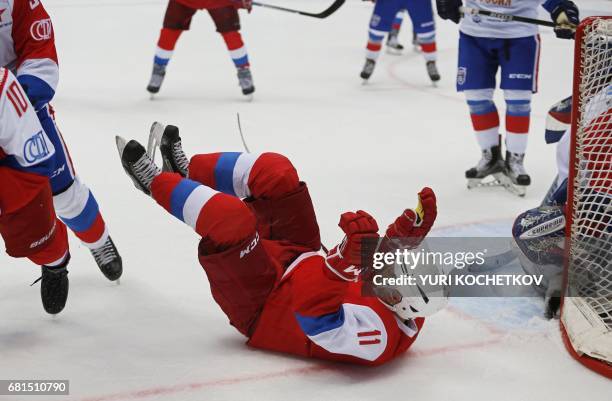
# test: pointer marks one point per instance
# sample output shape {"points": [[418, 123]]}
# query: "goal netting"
{"points": [[586, 317]]}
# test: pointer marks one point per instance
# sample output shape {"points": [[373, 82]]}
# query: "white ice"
{"points": [[159, 335]]}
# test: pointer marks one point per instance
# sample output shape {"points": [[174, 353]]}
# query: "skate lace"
{"points": [[105, 254], [159, 71], [431, 68], [179, 156], [145, 171], [245, 78], [369, 66], [487, 157]]}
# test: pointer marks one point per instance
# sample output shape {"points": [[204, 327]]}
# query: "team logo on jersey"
{"points": [[461, 74], [41, 29], [36, 148], [375, 20]]}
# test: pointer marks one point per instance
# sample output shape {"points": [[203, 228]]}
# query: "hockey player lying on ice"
{"points": [[262, 259]]}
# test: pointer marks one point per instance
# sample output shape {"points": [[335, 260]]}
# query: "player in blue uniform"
{"points": [[486, 45], [385, 19]]}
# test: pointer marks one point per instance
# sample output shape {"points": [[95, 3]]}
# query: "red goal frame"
{"points": [[594, 364]]}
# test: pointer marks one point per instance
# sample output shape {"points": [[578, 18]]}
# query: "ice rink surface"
{"points": [[159, 336]]}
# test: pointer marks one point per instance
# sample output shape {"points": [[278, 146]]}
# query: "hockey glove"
{"points": [[246, 4], [344, 260], [566, 16], [449, 9], [413, 225]]}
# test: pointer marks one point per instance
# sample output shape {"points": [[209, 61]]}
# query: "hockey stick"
{"points": [[506, 17], [324, 14], [494, 262], [241, 134]]}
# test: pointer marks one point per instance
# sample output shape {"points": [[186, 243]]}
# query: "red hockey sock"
{"points": [[168, 38]]}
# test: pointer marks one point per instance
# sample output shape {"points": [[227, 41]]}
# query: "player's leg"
{"points": [[239, 270], [29, 228], [76, 205], [476, 78], [393, 44], [421, 14], [519, 70], [227, 21], [380, 24], [176, 20]]}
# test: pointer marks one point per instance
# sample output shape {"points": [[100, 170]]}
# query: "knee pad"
{"points": [[224, 221], [272, 177]]}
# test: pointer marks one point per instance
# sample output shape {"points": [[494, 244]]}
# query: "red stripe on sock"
{"points": [[168, 38], [517, 124], [233, 40], [374, 46], [428, 47], [94, 233], [482, 122], [162, 187], [202, 169]]}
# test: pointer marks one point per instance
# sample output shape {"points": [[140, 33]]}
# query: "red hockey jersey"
{"points": [[314, 314]]}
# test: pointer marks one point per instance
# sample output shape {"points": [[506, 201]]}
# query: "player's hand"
{"points": [[413, 225], [246, 4], [449, 9], [567, 18], [344, 260]]}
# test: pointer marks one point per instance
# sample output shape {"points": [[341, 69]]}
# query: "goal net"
{"points": [[586, 317]]}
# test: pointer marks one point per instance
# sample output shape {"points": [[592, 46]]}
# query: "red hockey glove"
{"points": [[246, 4], [344, 260], [413, 225]]}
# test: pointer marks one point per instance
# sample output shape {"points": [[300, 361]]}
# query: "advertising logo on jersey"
{"points": [[36, 148], [41, 29]]}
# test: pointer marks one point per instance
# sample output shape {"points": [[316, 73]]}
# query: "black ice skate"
{"points": [[491, 164], [54, 287], [432, 71], [157, 78], [137, 164], [108, 259], [368, 69], [171, 149], [393, 45], [515, 171], [245, 80]]}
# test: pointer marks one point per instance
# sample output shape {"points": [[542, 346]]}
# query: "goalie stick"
{"points": [[506, 17], [323, 14]]}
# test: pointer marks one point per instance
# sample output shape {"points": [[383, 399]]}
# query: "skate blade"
{"points": [[155, 136], [364, 82], [488, 181], [120, 142], [518, 190], [394, 52], [249, 98]]}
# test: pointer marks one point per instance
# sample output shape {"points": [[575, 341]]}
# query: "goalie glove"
{"points": [[413, 225], [566, 16], [344, 260]]}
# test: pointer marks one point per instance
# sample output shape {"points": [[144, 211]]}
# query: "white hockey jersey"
{"points": [[489, 27], [23, 143]]}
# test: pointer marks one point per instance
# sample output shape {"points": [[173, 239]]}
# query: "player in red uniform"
{"points": [[27, 48], [224, 14], [28, 224], [262, 259]]}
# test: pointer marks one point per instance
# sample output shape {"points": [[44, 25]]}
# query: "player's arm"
{"points": [[23, 143], [34, 39]]}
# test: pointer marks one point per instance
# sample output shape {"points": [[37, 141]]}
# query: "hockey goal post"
{"points": [[586, 313]]}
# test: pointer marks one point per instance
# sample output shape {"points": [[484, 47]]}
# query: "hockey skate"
{"points": [[432, 71], [137, 164], [167, 139], [157, 78], [393, 45], [54, 287], [515, 171], [245, 80], [368, 69], [490, 165], [108, 260]]}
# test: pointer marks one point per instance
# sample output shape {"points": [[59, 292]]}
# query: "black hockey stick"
{"points": [[505, 17], [324, 14]]}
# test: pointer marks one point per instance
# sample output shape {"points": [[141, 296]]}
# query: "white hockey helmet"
{"points": [[418, 300]]}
